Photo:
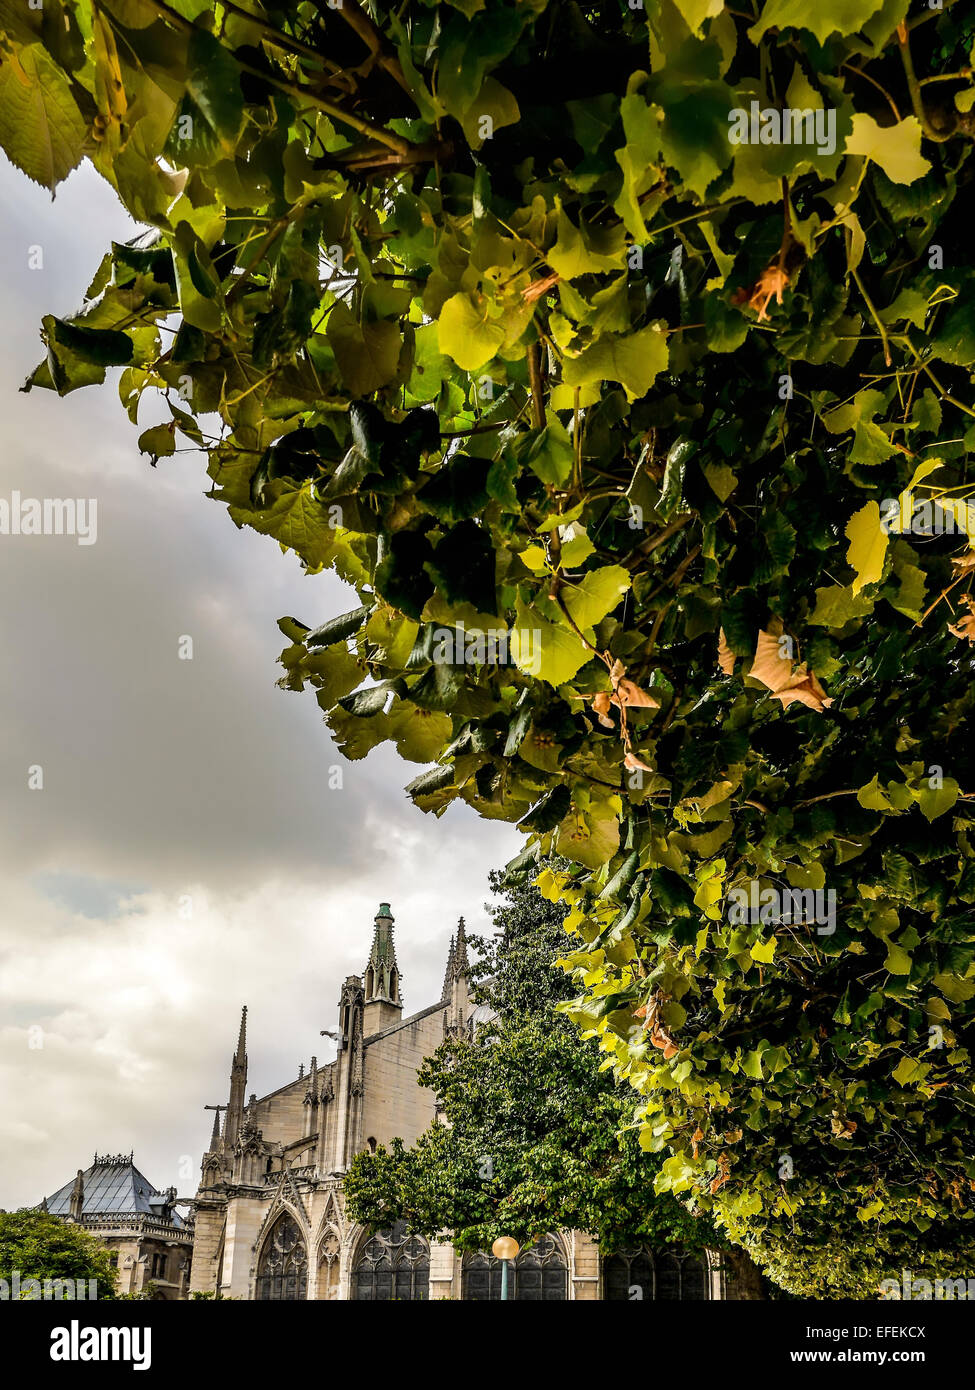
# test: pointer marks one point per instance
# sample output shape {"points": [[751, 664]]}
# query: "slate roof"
{"points": [[112, 1188]]}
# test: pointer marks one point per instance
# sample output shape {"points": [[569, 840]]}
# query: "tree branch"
{"points": [[377, 43]]}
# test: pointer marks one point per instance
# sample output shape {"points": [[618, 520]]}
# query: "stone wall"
{"points": [[394, 1106]]}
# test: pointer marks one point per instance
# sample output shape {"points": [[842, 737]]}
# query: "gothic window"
{"points": [[667, 1274], [158, 1267], [392, 1266], [328, 1264], [283, 1269], [538, 1275]]}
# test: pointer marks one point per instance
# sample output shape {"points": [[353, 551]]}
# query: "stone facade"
{"points": [[270, 1221]]}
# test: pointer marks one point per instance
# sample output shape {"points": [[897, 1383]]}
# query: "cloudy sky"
{"points": [[184, 854]]}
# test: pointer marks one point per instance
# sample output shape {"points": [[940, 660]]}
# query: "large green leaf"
{"points": [[41, 127]]}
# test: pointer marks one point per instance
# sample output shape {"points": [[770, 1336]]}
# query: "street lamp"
{"points": [[505, 1248]]}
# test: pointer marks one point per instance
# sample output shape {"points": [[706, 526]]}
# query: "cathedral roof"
{"points": [[114, 1186]]}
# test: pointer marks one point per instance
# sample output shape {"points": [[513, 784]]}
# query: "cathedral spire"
{"points": [[461, 963], [215, 1136], [456, 996], [238, 1085], [457, 963], [311, 1095], [448, 976], [382, 972]]}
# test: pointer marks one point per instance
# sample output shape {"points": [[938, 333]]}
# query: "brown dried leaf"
{"points": [[772, 281], [965, 626], [601, 706], [726, 657], [776, 671], [633, 762], [724, 1172], [842, 1127], [629, 693]]}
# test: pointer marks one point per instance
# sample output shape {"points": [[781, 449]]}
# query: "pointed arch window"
{"points": [[329, 1256], [540, 1274], [656, 1274], [282, 1272], [392, 1266]]}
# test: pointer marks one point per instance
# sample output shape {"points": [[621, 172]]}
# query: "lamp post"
{"points": [[505, 1248]]}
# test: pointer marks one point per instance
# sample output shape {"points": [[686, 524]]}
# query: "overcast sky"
{"points": [[170, 785]]}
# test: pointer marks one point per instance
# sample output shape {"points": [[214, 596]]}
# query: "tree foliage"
{"points": [[39, 1246], [525, 319]]}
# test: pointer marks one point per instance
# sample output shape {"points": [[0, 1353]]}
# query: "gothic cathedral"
{"points": [[270, 1220]]}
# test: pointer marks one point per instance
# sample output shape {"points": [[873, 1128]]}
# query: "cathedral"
{"points": [[270, 1219]]}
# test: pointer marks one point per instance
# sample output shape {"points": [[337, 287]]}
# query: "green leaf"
{"points": [[959, 991], [695, 12], [41, 128], [595, 594], [868, 546], [582, 251], [493, 107], [822, 19], [588, 841], [546, 814], [873, 798], [898, 962], [419, 734], [467, 334], [159, 441], [836, 606], [548, 452], [103, 347], [763, 951], [213, 81], [693, 136], [463, 567], [400, 574], [549, 651], [896, 148], [336, 629], [634, 360], [367, 354], [935, 801], [910, 1072], [751, 1064]]}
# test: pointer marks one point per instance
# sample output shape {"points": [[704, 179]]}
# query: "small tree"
{"points": [[40, 1246]]}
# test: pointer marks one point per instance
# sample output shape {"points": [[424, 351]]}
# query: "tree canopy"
{"points": [[620, 357], [42, 1247]]}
